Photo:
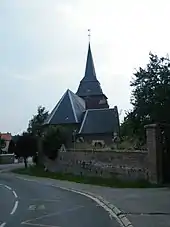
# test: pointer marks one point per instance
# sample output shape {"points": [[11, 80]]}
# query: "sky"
{"points": [[43, 50]]}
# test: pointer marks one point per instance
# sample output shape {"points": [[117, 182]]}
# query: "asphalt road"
{"points": [[25, 203], [7, 167]]}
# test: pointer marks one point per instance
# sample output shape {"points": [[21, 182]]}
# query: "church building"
{"points": [[87, 111]]}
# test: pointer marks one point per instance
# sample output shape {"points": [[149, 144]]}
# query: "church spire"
{"points": [[89, 88], [89, 85], [90, 74]]}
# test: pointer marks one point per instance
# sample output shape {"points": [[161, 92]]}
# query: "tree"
{"points": [[150, 96], [54, 137], [12, 147], [35, 124], [26, 146], [2, 145], [15, 138], [35, 128]]}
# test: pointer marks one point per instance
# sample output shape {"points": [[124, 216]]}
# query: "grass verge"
{"points": [[113, 182]]}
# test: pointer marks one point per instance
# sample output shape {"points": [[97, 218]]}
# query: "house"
{"points": [[86, 113], [6, 137]]}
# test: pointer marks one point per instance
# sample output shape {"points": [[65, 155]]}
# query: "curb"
{"points": [[4, 170], [109, 207], [113, 211]]}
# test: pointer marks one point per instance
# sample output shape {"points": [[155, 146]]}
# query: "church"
{"points": [[86, 113]]}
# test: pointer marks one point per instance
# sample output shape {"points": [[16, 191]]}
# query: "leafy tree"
{"points": [[35, 124], [2, 144], [35, 128], [26, 146], [150, 96], [54, 137], [15, 138], [12, 147]]}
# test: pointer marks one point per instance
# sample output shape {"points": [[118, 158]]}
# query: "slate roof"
{"points": [[97, 121], [89, 85], [68, 110]]}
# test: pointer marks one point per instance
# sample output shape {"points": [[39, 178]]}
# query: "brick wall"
{"points": [[126, 165]]}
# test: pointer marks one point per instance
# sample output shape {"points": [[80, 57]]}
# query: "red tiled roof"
{"points": [[6, 136]]}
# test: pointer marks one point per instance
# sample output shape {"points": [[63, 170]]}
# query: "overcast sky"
{"points": [[43, 48]]}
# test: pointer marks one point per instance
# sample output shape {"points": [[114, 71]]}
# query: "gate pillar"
{"points": [[153, 135]]}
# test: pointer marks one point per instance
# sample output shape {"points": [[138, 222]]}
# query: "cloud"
{"points": [[43, 47]]}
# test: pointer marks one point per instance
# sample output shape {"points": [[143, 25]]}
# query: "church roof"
{"points": [[90, 74], [68, 110], [98, 121], [89, 85]]}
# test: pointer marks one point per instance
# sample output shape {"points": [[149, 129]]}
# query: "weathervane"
{"points": [[89, 34]]}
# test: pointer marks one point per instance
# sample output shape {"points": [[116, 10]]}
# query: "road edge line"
{"points": [[14, 208], [107, 206], [15, 194], [16, 202]]}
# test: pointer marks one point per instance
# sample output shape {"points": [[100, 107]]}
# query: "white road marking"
{"points": [[46, 200], [16, 202], [97, 200], [15, 194], [14, 208], [39, 225], [8, 187], [106, 208], [32, 207], [41, 207], [52, 214], [30, 180], [3, 224]]}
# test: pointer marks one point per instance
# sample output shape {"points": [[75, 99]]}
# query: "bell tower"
{"points": [[89, 88]]}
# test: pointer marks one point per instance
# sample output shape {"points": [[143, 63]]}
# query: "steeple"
{"points": [[90, 74], [89, 85], [89, 88]]}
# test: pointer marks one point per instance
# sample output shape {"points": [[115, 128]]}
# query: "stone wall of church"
{"points": [[89, 141], [126, 165]]}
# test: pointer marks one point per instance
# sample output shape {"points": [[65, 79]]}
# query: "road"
{"points": [[25, 203], [7, 167]]}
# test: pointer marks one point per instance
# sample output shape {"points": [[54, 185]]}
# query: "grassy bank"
{"points": [[114, 182]]}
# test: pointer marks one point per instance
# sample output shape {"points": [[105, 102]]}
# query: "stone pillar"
{"points": [[153, 134]]}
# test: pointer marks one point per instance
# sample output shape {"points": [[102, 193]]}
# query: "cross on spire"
{"points": [[89, 34]]}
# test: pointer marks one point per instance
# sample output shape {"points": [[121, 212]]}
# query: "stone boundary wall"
{"points": [[126, 165], [7, 158]]}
